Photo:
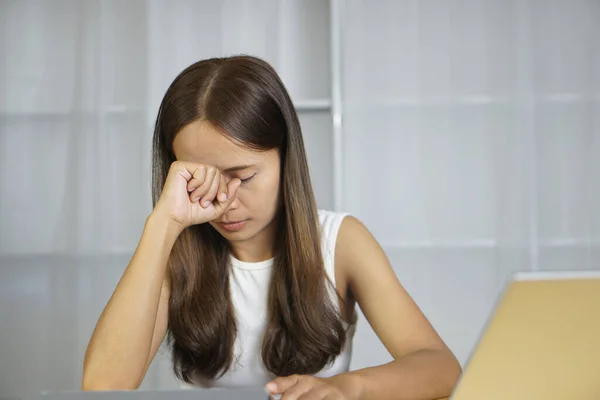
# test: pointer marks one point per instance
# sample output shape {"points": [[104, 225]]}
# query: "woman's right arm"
{"points": [[134, 322]]}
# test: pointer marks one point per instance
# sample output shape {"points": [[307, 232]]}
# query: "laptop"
{"points": [[187, 394], [541, 342]]}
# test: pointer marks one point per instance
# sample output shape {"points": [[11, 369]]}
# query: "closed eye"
{"points": [[247, 179]]}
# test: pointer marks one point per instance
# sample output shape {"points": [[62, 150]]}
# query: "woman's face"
{"points": [[257, 201]]}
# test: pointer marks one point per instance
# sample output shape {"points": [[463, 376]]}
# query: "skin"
{"points": [[216, 180]]}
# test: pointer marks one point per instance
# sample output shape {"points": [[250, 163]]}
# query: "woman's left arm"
{"points": [[423, 366]]}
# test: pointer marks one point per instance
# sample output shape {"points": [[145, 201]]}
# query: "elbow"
{"points": [[98, 386], [102, 376], [453, 371], [91, 383], [443, 368]]}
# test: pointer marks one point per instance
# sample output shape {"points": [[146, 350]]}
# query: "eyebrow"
{"points": [[238, 168]]}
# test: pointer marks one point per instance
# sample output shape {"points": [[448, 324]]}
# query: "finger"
{"points": [[232, 188], [205, 186], [296, 391], [281, 384], [222, 194], [210, 196], [198, 176]]}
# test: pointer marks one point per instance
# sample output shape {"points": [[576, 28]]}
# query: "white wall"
{"points": [[471, 143]]}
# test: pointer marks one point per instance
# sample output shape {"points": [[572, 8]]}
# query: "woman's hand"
{"points": [[194, 194], [306, 387]]}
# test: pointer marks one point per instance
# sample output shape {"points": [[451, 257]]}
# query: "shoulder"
{"points": [[344, 229], [353, 236], [357, 251]]}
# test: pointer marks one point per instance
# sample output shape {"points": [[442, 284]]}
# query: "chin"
{"points": [[234, 236]]}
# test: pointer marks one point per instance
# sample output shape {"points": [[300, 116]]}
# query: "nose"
{"points": [[235, 204]]}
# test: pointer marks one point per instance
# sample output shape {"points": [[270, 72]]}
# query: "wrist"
{"points": [[157, 223], [350, 384]]}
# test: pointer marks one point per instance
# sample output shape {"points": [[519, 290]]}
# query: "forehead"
{"points": [[202, 142]]}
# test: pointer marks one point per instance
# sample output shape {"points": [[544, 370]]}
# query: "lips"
{"points": [[232, 226]]}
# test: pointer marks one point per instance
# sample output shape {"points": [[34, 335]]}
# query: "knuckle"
{"points": [[198, 171]]}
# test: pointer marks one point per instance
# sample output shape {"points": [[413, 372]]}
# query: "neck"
{"points": [[249, 253], [258, 248]]}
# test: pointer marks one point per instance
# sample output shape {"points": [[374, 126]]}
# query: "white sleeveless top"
{"points": [[249, 286]]}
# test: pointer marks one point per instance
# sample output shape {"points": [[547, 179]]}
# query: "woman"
{"points": [[249, 283]]}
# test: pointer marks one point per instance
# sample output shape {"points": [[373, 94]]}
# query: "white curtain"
{"points": [[470, 135], [80, 84], [472, 146]]}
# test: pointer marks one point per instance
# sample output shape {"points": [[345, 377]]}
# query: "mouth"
{"points": [[233, 226]]}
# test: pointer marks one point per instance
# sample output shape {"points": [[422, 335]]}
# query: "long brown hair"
{"points": [[244, 97]]}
